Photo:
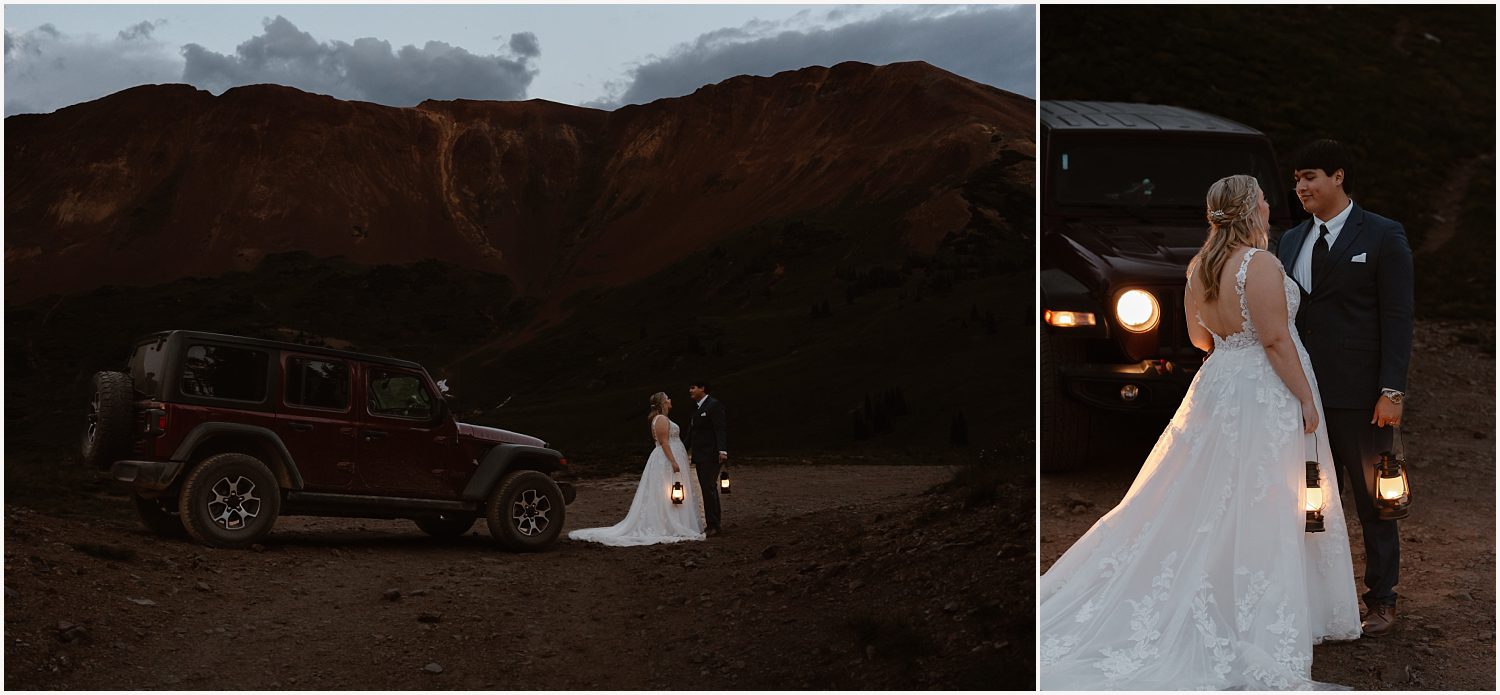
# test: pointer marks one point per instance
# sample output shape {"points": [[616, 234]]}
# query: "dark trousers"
{"points": [[1357, 445], [708, 481]]}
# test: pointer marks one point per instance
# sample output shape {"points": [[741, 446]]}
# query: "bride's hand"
{"points": [[1309, 417]]}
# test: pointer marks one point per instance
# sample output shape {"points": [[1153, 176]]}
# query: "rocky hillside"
{"points": [[161, 182]]}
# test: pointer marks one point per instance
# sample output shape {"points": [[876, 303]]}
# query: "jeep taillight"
{"points": [[156, 421]]}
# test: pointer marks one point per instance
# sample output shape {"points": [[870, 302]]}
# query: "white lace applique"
{"points": [[1218, 646], [1225, 495], [1145, 625], [1087, 612], [1054, 648], [1122, 556], [1254, 590], [1286, 647]]}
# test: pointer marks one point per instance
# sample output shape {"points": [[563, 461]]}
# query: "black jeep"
{"points": [[1123, 188]]}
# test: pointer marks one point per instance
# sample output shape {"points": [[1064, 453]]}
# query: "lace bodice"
{"points": [[1247, 337], [673, 430]]}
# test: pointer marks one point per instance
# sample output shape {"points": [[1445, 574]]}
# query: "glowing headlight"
{"points": [[1137, 310]]}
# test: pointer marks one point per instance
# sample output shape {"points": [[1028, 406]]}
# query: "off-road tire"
{"points": [[111, 416], [158, 517], [447, 525], [517, 504], [1066, 423], [211, 492]]}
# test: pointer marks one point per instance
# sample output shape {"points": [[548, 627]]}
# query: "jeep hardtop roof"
{"points": [[1123, 116], [278, 345]]}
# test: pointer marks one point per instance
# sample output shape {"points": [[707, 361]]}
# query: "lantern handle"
{"points": [[1317, 452], [1397, 450]]}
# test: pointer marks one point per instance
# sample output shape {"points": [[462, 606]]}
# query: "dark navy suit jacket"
{"points": [[1357, 321]]}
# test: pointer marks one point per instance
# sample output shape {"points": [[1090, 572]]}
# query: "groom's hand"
{"points": [[1386, 413]]}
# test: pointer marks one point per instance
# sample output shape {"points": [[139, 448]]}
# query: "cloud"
{"points": [[46, 69], [990, 44], [525, 45], [367, 69]]}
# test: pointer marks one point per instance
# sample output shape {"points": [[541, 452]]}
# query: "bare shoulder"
{"points": [[1264, 270]]}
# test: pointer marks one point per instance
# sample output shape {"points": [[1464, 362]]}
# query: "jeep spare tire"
{"points": [[525, 511], [111, 415], [229, 501]]}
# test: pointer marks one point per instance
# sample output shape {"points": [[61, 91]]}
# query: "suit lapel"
{"points": [[1351, 231], [1296, 237]]}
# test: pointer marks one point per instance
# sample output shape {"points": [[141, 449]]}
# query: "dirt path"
{"points": [[1449, 205], [104, 605], [1446, 635]]}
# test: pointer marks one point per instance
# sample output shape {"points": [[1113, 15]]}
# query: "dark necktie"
{"points": [[1320, 253]]}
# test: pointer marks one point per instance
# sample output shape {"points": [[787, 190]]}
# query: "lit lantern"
{"points": [[1392, 494], [1316, 500], [724, 482], [677, 493]]}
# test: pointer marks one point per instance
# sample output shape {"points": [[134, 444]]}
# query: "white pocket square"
{"points": [[1358, 259]]}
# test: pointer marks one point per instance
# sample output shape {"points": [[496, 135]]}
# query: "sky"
{"points": [[602, 56]]}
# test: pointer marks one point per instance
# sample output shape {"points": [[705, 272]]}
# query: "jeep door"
{"points": [[405, 443], [316, 419]]}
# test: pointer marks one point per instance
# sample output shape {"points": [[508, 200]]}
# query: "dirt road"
{"points": [[1446, 636], [834, 576]]}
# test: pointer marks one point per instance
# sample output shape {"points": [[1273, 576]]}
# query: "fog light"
{"points": [[1129, 392], [1137, 310], [1068, 319]]}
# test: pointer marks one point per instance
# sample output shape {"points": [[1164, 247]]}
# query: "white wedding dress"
{"points": [[1203, 576], [653, 518]]}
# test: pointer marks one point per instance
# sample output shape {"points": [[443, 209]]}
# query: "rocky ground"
{"points": [[1446, 634], [845, 577]]}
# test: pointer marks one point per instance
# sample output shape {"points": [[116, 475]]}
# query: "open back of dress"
{"points": [[1203, 576]]}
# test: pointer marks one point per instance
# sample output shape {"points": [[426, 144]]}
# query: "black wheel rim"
{"points": [[530, 512], [234, 503]]}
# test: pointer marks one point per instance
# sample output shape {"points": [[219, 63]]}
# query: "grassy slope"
{"points": [[1415, 109]]}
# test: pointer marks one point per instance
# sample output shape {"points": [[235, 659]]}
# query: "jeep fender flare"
{"points": [[207, 431], [507, 457]]}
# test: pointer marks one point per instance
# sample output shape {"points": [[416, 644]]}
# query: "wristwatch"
{"points": [[1393, 394]]}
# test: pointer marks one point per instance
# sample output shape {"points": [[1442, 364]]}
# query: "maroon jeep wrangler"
{"points": [[218, 435]]}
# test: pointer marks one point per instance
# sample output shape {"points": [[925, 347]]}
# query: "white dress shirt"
{"points": [[1302, 270]]}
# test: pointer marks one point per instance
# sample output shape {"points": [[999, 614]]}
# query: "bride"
{"points": [[1203, 576], [653, 518]]}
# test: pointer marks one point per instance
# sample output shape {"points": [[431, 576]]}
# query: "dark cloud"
{"points": [[140, 31], [990, 44], [367, 69], [525, 45], [46, 69]]}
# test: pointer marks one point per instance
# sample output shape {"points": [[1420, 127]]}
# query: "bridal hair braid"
{"points": [[1234, 220]]}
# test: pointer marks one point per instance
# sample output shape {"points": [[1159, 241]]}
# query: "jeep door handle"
{"points": [[372, 435], [345, 466], [300, 426]]}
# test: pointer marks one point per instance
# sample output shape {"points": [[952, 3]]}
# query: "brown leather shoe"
{"points": [[711, 531], [1380, 620]]}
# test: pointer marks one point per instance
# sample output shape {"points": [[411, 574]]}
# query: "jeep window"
{"points": [[1090, 173], [398, 394], [229, 373], [145, 367], [318, 384]]}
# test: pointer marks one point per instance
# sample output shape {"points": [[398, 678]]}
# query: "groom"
{"points": [[707, 449], [1355, 270]]}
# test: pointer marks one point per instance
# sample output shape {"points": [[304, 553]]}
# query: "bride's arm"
{"points": [[663, 432], [1200, 337], [1266, 295]]}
